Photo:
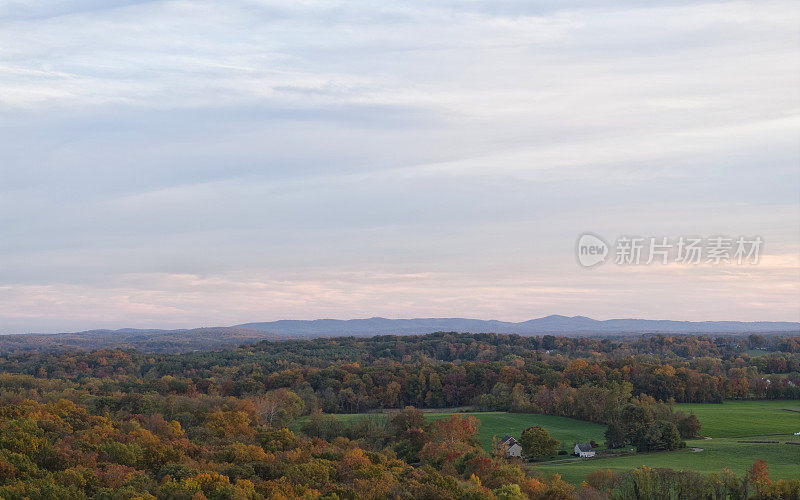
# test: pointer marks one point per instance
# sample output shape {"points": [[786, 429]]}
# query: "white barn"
{"points": [[584, 450]]}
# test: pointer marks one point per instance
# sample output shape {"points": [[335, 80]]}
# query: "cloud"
{"points": [[163, 300], [473, 142]]}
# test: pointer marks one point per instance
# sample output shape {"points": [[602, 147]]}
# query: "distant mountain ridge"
{"points": [[225, 337], [554, 324]]}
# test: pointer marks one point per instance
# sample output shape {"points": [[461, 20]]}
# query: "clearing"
{"points": [[725, 424]]}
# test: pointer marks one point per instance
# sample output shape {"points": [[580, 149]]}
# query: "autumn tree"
{"points": [[404, 420], [455, 429], [758, 475], [603, 480], [278, 408]]}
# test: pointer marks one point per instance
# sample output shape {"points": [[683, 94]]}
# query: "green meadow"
{"points": [[745, 418], [496, 423], [782, 459], [567, 430], [725, 424]]}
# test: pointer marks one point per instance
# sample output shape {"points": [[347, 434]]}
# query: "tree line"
{"points": [[255, 422]]}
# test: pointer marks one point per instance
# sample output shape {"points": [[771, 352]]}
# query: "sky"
{"points": [[176, 164]]}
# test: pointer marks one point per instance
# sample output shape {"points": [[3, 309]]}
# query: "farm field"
{"points": [[567, 430], [726, 424], [498, 423], [782, 459], [745, 418]]}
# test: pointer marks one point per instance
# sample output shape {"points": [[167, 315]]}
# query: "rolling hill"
{"points": [[203, 339], [554, 324]]}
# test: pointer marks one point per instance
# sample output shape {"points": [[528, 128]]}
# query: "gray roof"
{"points": [[508, 439], [584, 447]]}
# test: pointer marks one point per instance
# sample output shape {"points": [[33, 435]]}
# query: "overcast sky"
{"points": [[187, 163]]}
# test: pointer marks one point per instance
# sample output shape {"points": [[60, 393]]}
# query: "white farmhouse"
{"points": [[511, 446], [584, 450]]}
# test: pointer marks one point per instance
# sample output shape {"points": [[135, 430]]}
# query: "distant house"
{"points": [[584, 450], [511, 446]]}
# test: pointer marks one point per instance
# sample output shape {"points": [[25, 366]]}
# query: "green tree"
{"points": [[689, 426], [615, 435], [509, 492], [662, 436], [636, 419], [537, 444], [755, 341]]}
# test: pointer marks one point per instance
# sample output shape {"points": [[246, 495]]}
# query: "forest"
{"points": [[259, 421]]}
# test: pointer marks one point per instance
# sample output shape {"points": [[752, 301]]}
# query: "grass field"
{"points": [[497, 423], [745, 418], [568, 431], [725, 424], [783, 460]]}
